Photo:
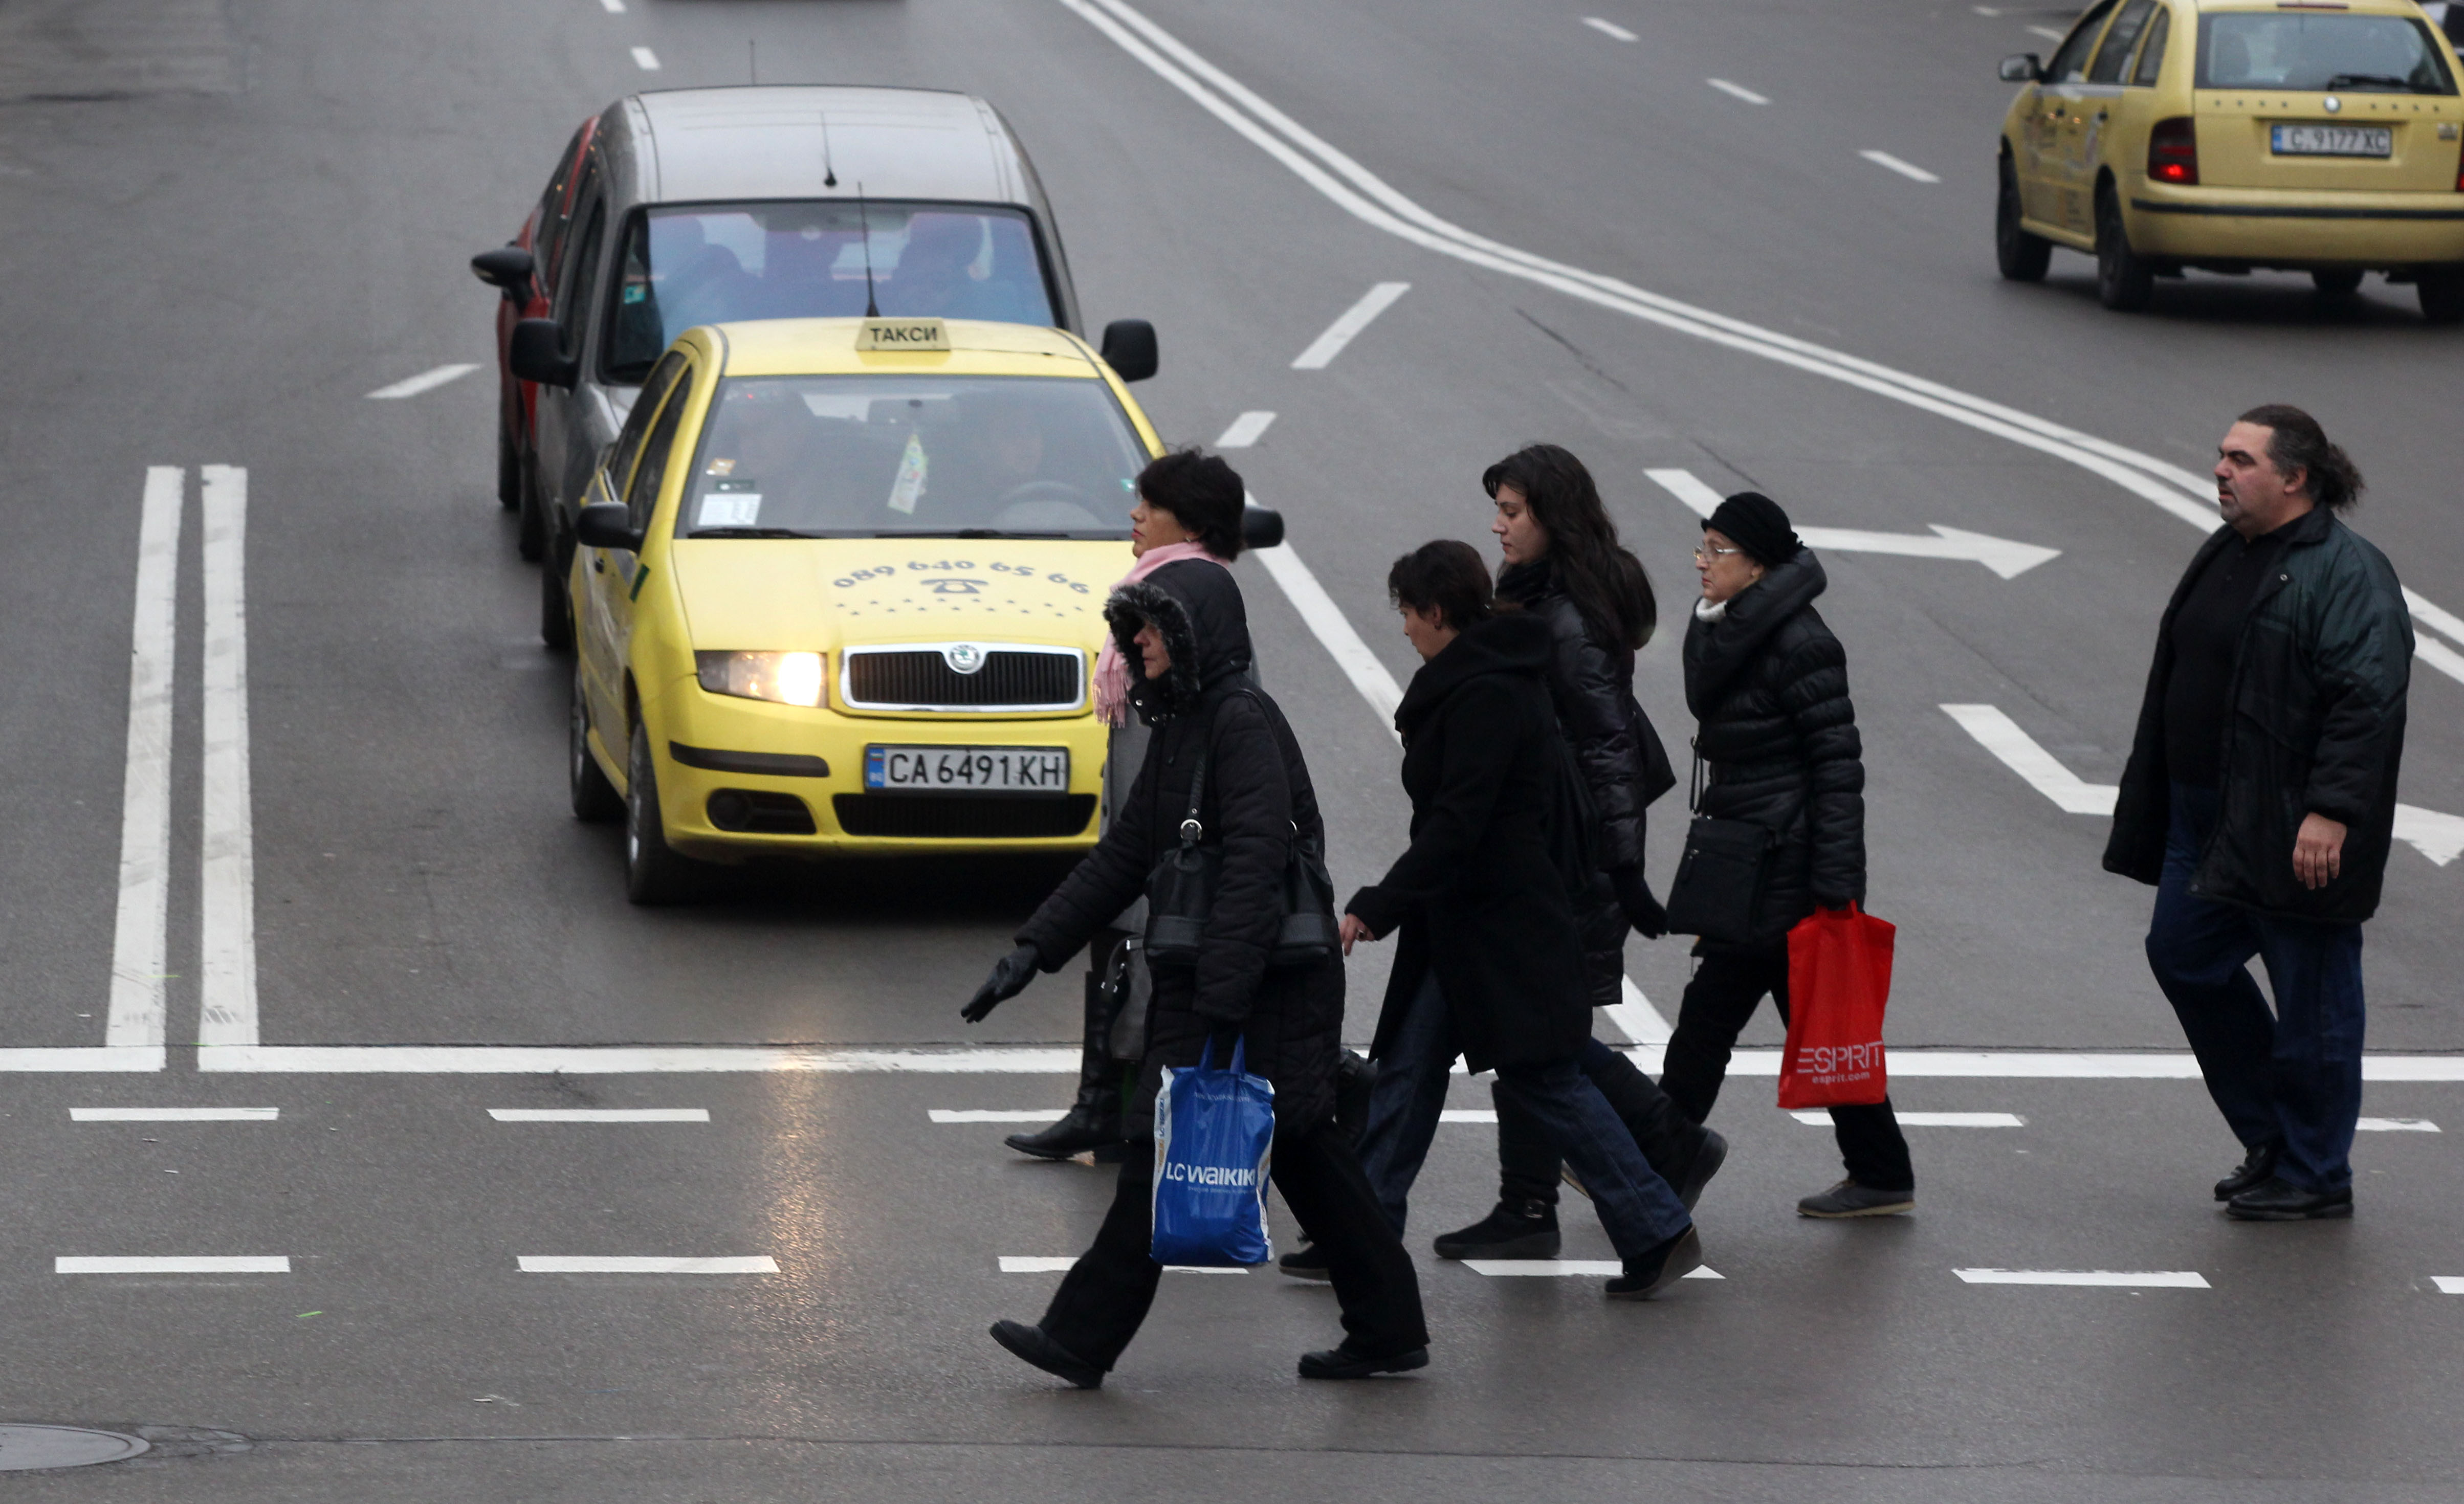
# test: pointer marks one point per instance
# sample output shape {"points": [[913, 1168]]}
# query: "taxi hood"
{"points": [[757, 595]]}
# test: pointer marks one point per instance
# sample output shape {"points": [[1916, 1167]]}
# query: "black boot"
{"points": [[1093, 1120], [1515, 1229]]}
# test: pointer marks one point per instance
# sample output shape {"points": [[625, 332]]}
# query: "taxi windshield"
{"points": [[2348, 53], [914, 457], [714, 263]]}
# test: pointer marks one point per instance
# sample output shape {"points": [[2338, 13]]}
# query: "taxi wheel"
{"points": [[555, 605], [595, 799], [2341, 282], [2124, 281], [653, 872], [2023, 256], [2442, 296]]}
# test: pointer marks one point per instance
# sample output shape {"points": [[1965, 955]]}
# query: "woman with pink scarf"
{"points": [[1189, 506]]}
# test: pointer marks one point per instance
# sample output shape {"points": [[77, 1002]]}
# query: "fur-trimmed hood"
{"points": [[1205, 626]]}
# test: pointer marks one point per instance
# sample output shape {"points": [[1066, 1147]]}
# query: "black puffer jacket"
{"points": [[1480, 896], [1768, 685], [1256, 801]]}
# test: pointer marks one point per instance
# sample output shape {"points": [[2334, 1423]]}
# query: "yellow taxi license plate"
{"points": [[964, 769], [2331, 141]]}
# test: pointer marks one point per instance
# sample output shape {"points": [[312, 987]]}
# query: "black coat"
{"points": [[2320, 679], [1481, 897], [1769, 683], [1256, 801]]}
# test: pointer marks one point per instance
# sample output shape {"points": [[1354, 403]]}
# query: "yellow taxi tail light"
{"points": [[781, 678], [2173, 151]]}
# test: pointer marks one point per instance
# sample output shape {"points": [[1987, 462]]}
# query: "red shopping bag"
{"points": [[1838, 978]]}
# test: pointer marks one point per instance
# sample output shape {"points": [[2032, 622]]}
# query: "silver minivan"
{"points": [[693, 207]]}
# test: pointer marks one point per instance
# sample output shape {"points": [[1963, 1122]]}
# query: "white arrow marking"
{"points": [[2004, 558], [2438, 836]]}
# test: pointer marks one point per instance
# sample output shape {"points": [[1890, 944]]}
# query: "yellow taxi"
{"points": [[839, 589], [2318, 136]]}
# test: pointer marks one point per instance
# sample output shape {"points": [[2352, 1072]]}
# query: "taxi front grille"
{"points": [[921, 679], [962, 817]]}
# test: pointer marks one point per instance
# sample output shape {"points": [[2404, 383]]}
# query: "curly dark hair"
{"points": [[2294, 441], [1205, 494], [1604, 580], [1445, 577]]}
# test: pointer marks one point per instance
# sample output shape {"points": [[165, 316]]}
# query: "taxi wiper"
{"points": [[968, 532], [2349, 80], [749, 532]]}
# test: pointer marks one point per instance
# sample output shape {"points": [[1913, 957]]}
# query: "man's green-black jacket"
{"points": [[2315, 725]]}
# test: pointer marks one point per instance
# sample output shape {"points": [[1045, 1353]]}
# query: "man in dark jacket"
{"points": [[2260, 800], [1185, 636], [1491, 963]]}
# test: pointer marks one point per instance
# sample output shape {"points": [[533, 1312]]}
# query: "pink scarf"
{"points": [[1112, 670]]}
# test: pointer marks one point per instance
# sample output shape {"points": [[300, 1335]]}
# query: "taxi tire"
{"points": [[2125, 281], [595, 799], [2442, 296], [655, 873], [2023, 257]]}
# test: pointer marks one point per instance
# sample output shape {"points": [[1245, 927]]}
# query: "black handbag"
{"points": [[1180, 895], [1719, 883]]}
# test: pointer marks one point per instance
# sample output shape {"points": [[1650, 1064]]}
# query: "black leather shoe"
{"points": [[1306, 1263], [2257, 1168], [1030, 1345], [1515, 1229], [1656, 1271], [1342, 1363], [2278, 1200], [1710, 1152], [1080, 1129]]}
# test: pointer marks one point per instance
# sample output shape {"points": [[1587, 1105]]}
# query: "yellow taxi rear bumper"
{"points": [[2258, 227]]}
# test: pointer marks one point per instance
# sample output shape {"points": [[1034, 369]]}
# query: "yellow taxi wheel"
{"points": [[2022, 256], [655, 873], [595, 799], [2124, 280]]}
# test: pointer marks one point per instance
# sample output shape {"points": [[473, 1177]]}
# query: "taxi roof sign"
{"points": [[903, 334]]}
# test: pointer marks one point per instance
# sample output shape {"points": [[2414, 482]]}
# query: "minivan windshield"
{"points": [[914, 457], [2348, 53], [693, 263]]}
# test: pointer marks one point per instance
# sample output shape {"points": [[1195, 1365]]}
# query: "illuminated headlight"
{"points": [[784, 678]]}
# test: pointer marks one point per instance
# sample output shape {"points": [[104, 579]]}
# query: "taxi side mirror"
{"points": [[537, 354], [2023, 67], [508, 269], [1129, 348], [1260, 526], [607, 524]]}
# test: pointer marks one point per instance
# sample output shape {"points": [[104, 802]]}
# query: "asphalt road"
{"points": [[226, 221]]}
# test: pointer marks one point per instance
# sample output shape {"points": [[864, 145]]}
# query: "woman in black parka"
{"points": [[1185, 636], [1769, 683]]}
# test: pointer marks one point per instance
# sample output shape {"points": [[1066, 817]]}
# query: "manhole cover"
{"points": [[25, 1447]]}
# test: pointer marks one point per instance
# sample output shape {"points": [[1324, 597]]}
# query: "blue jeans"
{"points": [[2291, 1081], [1633, 1204]]}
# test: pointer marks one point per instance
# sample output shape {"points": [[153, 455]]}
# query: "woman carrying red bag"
{"points": [[1769, 683]]}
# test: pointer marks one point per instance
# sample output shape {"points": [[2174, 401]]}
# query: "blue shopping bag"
{"points": [[1213, 1129]]}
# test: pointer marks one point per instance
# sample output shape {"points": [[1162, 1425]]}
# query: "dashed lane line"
{"points": [[1736, 91], [1820, 1116], [424, 382], [2045, 31], [995, 1115], [645, 59], [613, 7], [1348, 325], [2449, 1284], [1245, 431], [240, 1264], [560, 1264], [2395, 1125], [140, 934], [1906, 170], [1607, 28], [174, 1114], [600, 1114], [1564, 1268], [2105, 1278]]}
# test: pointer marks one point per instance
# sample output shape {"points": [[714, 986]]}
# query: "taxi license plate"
{"points": [[2332, 140], [967, 770]]}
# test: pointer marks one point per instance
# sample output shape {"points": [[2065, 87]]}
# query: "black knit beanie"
{"points": [[1753, 522]]}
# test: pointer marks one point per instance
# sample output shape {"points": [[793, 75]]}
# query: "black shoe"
{"points": [[1656, 1271], [1080, 1129], [1342, 1363], [1515, 1229], [1848, 1199], [2277, 1199], [1030, 1345], [1710, 1152], [1306, 1263], [2259, 1168]]}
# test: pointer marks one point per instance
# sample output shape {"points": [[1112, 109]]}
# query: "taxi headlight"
{"points": [[781, 678]]}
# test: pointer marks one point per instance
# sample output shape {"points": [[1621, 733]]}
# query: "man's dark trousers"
{"points": [[2292, 1079]]}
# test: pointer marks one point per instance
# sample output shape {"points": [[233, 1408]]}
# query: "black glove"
{"points": [[1633, 894], [1010, 976]]}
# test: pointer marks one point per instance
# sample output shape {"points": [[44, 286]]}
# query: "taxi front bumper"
{"points": [[2239, 228]]}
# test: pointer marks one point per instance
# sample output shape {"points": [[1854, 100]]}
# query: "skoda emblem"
{"points": [[2331, 105], [963, 658]]}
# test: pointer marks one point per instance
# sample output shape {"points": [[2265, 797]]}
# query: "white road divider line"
{"points": [[174, 1114], [241, 1264], [995, 1115], [600, 1114], [134, 1018], [227, 879], [2449, 1284], [1609, 29], [2005, 557], [1736, 91], [613, 7], [1906, 169], [2396, 1125], [2110, 1278], [645, 59], [1467, 1115], [2045, 31], [1640, 1021], [1245, 431], [424, 382], [1020, 1264], [1323, 350], [1334, 632], [1820, 1116], [1564, 1268], [558, 1264]]}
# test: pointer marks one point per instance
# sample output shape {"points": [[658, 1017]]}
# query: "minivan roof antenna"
{"points": [[830, 173], [863, 218]]}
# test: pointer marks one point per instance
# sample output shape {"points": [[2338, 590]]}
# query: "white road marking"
{"points": [[613, 7], [1640, 1021], [558, 1264], [226, 898], [2433, 616], [174, 1114], [1906, 169], [645, 59], [2047, 33], [2147, 1280], [2439, 656], [1985, 9], [1821, 1118], [139, 943], [1736, 91], [1467, 1115], [1564, 1268], [995, 1115], [424, 382], [2005, 557], [241, 1264], [600, 1114], [1018, 1264], [1609, 29], [2449, 1284], [1245, 431], [2396, 1125], [1323, 350], [1334, 632]]}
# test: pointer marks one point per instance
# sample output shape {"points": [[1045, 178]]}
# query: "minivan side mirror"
{"points": [[508, 268], [1129, 348], [2022, 68], [607, 524], [537, 354], [1260, 526]]}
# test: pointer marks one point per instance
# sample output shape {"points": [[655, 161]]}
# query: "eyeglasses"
{"points": [[1704, 551]]}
